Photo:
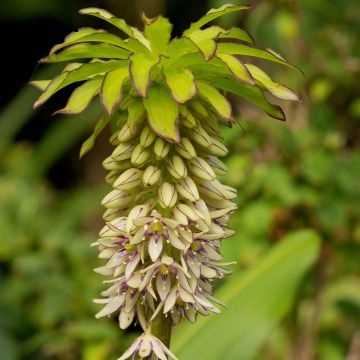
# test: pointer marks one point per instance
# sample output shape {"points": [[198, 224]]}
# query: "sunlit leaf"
{"points": [[214, 98], [257, 300], [40, 84], [177, 48], [162, 113], [140, 72], [181, 84], [87, 51], [238, 34], [107, 16], [81, 97], [205, 40], [111, 88], [240, 49], [212, 14], [136, 113], [278, 90], [251, 94], [90, 142], [237, 68], [158, 32]]}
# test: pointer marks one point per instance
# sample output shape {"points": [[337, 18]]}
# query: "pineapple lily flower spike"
{"points": [[167, 213]]}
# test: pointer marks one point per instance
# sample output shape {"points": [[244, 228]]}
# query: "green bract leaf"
{"points": [[252, 94], [111, 88], [140, 72], [205, 40], [213, 14], [181, 84], [107, 16], [163, 113], [238, 34], [80, 72], [214, 98], [158, 32], [278, 90], [177, 48], [81, 97], [40, 84], [257, 301], [87, 51], [240, 49], [89, 143], [136, 114], [237, 68]]}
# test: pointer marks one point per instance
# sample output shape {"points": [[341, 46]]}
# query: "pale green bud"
{"points": [[110, 164], [187, 189], [112, 176], [186, 149], [188, 119], [111, 214], [217, 148], [128, 179], [200, 136], [215, 190], [140, 155], [185, 210], [125, 134], [122, 152], [147, 137], [116, 199], [151, 175], [114, 138], [199, 109], [167, 195], [201, 169], [177, 167], [161, 148], [217, 165]]}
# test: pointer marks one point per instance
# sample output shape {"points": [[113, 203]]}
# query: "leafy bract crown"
{"points": [[151, 74]]}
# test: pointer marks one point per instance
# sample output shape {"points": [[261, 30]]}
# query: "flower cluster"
{"points": [[167, 213]]}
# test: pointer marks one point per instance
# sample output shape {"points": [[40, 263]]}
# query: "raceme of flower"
{"points": [[167, 213]]}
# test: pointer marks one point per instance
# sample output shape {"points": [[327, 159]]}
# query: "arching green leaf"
{"points": [[140, 72], [257, 300], [89, 143], [212, 14], [158, 32], [237, 68], [278, 90], [110, 18], [238, 34], [81, 97], [162, 113], [240, 49], [87, 51], [214, 98], [40, 84], [181, 84], [251, 94], [111, 88]]}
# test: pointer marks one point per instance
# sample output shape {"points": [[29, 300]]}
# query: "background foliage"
{"points": [[289, 298]]}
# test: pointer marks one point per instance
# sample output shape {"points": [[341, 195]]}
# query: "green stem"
{"points": [[161, 328]]}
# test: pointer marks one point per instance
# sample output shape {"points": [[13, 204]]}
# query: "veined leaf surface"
{"points": [[181, 84]]}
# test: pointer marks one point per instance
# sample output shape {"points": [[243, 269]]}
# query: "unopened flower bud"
{"points": [[217, 148], [177, 167], [147, 137], [188, 119], [217, 165], [128, 179], [201, 169], [114, 138], [140, 155], [161, 148], [112, 176], [200, 136], [117, 199], [125, 133], [151, 175], [215, 190], [167, 195], [199, 109], [187, 189], [122, 152], [186, 149], [186, 211], [203, 210]]}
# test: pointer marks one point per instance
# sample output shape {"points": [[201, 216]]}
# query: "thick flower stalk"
{"points": [[167, 213]]}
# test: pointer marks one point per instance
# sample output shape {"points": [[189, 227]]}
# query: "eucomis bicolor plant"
{"points": [[167, 213]]}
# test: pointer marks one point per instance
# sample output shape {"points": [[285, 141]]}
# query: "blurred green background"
{"points": [[288, 298]]}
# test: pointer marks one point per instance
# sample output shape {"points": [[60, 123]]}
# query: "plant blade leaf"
{"points": [[257, 300], [162, 113], [181, 84]]}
